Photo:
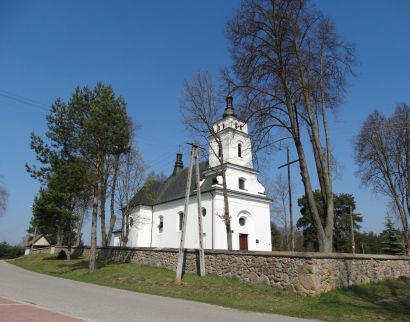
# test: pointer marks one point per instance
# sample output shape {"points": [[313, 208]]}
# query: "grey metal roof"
{"points": [[173, 188]]}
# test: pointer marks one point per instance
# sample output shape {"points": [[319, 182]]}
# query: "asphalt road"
{"points": [[98, 303]]}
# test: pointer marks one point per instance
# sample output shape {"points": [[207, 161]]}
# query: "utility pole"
{"points": [[194, 155], [34, 236], [351, 226], [32, 243], [292, 238]]}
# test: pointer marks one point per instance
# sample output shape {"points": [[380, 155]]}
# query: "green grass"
{"points": [[386, 301]]}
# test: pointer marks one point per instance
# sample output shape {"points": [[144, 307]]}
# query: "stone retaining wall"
{"points": [[304, 273]]}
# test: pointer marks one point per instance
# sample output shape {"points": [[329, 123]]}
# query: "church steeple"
{"points": [[229, 111], [178, 163], [236, 142]]}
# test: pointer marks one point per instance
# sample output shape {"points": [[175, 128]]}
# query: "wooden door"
{"points": [[243, 242]]}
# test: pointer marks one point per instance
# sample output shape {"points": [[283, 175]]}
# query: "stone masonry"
{"points": [[304, 273]]}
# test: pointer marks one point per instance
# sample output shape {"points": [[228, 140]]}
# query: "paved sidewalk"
{"points": [[12, 311]]}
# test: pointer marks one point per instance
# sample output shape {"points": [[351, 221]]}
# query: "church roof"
{"points": [[173, 188]]}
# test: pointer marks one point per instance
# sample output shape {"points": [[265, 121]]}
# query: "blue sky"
{"points": [[145, 50]]}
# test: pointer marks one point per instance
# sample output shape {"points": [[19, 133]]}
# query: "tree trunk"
{"points": [[103, 198], [226, 216], [112, 201], [126, 226], [93, 248], [80, 224], [69, 240]]}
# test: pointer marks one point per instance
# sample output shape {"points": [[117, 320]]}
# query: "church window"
{"points": [[242, 221], [240, 150], [242, 184], [203, 212], [219, 151], [161, 224], [131, 222], [181, 220], [223, 125], [236, 125]]}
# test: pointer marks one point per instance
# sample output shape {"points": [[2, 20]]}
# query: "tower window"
{"points": [[240, 150], [181, 220], [242, 184], [219, 150], [161, 224]]}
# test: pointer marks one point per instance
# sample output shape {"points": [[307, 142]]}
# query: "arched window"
{"points": [[131, 222], [242, 184], [240, 150], [181, 220], [161, 224], [203, 212]]}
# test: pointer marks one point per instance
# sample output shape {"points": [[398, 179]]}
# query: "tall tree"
{"points": [[382, 153], [4, 195], [392, 241], [54, 207], [92, 125], [53, 216], [342, 224], [290, 66], [200, 106]]}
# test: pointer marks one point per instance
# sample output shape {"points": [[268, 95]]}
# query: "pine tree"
{"points": [[392, 241]]}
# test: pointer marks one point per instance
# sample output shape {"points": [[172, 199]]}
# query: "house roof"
{"points": [[36, 239], [157, 192]]}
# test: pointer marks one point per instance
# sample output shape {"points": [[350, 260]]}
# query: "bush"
{"points": [[9, 252], [62, 255]]}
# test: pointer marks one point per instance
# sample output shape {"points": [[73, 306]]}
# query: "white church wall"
{"points": [[140, 232], [251, 184], [257, 225], [171, 235]]}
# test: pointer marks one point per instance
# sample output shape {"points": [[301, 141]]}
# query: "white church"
{"points": [[248, 204]]}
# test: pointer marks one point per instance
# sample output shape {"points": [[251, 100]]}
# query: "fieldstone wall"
{"points": [[304, 273]]}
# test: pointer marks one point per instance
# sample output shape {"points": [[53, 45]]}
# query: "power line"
{"points": [[26, 109], [27, 99]]}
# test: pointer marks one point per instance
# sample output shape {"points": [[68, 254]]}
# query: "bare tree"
{"points": [[131, 177], [4, 195], [290, 66], [278, 190], [382, 153], [200, 106]]}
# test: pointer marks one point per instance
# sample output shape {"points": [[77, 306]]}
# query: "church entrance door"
{"points": [[243, 242]]}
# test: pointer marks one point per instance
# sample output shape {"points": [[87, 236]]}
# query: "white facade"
{"points": [[248, 205]]}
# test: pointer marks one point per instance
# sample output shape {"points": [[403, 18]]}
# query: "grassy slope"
{"points": [[387, 301]]}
